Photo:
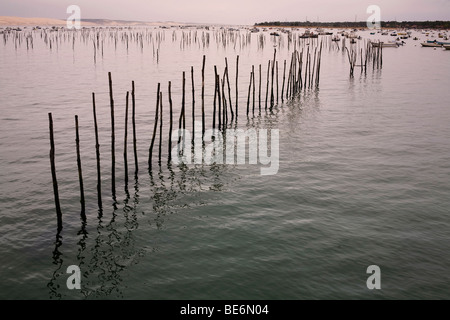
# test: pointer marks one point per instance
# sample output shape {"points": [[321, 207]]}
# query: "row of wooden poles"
{"points": [[52, 38], [303, 72], [153, 37]]}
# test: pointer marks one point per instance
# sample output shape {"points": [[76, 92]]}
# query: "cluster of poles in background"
{"points": [[224, 37], [152, 38]]}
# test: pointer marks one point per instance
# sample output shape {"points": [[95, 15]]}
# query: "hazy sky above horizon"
{"points": [[230, 11]]}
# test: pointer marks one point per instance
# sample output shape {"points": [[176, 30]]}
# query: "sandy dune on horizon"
{"points": [[19, 21]]}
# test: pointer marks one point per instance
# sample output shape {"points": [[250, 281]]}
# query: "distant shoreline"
{"points": [[358, 24]]}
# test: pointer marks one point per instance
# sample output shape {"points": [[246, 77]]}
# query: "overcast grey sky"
{"points": [[230, 11]]}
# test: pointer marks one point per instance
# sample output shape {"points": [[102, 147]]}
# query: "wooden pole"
{"points": [[183, 103], [253, 76], [97, 154], [53, 169], [237, 93], [150, 151], [296, 76], [300, 62], [362, 65], [215, 97], [381, 56], [160, 127], [193, 103], [171, 119], [273, 73], [249, 90], [319, 64], [203, 95], [267, 87], [136, 166], [229, 89], [219, 96], [125, 141], [277, 79], [113, 140], [313, 68], [224, 103], [288, 86], [182, 121], [309, 70], [306, 67], [259, 92], [284, 78]]}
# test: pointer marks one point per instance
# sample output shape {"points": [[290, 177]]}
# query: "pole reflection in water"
{"points": [[104, 259], [58, 261]]}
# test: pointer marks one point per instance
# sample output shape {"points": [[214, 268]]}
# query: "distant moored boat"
{"points": [[308, 34], [385, 44], [430, 44], [389, 44]]}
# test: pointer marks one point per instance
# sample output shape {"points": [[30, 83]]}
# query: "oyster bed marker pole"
{"points": [[53, 169]]}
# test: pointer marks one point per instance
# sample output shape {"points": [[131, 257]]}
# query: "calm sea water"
{"points": [[364, 176]]}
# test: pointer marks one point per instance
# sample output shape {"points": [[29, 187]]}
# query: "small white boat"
{"points": [[389, 44], [430, 45], [385, 44]]}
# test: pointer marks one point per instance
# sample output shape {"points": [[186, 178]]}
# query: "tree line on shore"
{"points": [[359, 24]]}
